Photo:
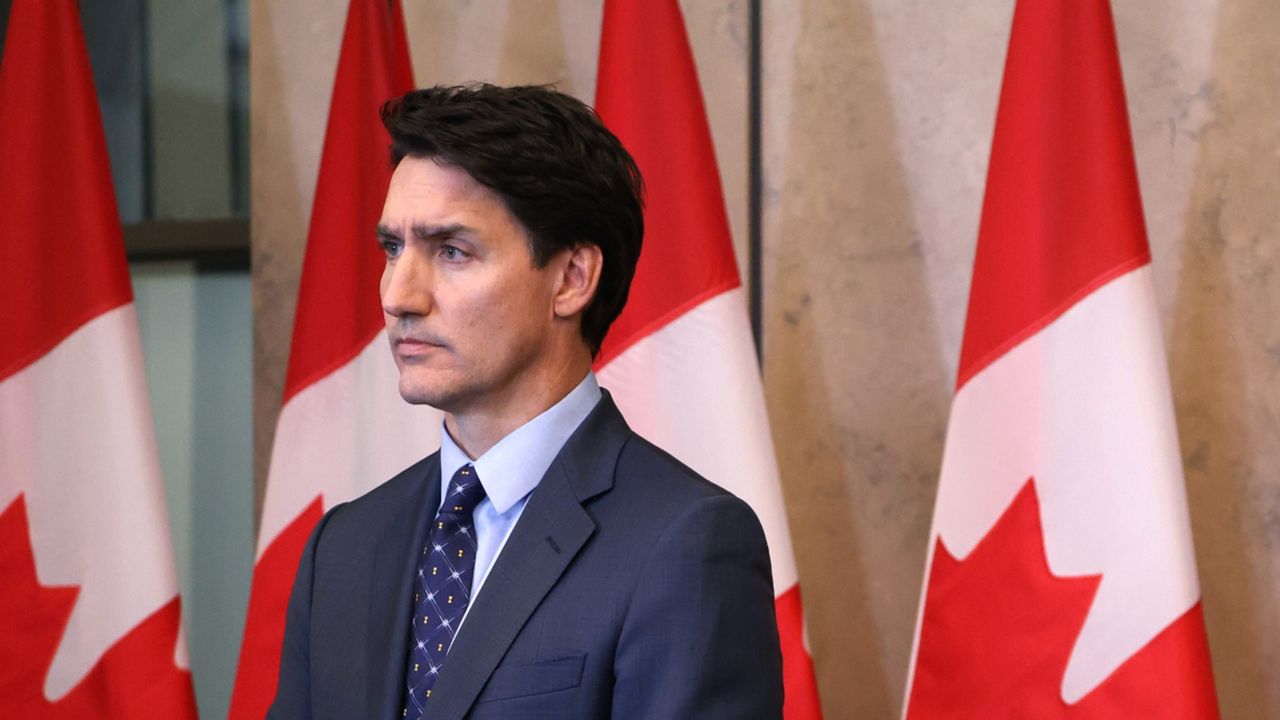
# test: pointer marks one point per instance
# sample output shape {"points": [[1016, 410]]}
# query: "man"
{"points": [[546, 562]]}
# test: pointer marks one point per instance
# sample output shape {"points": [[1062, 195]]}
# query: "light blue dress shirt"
{"points": [[511, 469]]}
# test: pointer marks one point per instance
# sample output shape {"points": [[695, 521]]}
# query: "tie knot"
{"points": [[464, 492]]}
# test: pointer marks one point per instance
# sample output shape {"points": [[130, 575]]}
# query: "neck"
{"points": [[476, 429]]}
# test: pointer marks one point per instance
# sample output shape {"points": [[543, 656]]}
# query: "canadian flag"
{"points": [[90, 623], [343, 428], [680, 361], [1061, 581]]}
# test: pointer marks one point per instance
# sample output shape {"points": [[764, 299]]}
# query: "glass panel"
{"points": [[172, 81]]}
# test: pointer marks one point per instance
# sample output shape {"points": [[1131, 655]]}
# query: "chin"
{"points": [[434, 392], [420, 385], [417, 395]]}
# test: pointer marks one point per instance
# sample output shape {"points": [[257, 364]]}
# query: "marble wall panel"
{"points": [[877, 124], [856, 383], [1222, 306]]}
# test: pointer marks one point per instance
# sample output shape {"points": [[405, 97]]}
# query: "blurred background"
{"points": [[868, 124]]}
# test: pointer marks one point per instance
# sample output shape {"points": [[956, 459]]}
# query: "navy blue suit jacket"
{"points": [[629, 588]]}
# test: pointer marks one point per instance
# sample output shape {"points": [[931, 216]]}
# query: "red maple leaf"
{"points": [[135, 678], [999, 627]]}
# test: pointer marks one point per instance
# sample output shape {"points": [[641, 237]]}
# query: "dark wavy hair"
{"points": [[561, 173]]}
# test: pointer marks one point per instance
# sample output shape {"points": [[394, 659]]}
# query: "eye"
{"points": [[391, 247], [452, 253]]}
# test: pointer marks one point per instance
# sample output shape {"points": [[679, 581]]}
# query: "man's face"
{"points": [[467, 312]]}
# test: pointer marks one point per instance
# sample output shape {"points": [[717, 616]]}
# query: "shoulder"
{"points": [[402, 486], [646, 468], [620, 475], [659, 500], [403, 492]]}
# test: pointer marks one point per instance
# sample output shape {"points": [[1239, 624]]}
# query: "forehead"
{"points": [[423, 189]]}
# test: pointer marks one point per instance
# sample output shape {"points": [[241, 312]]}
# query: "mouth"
{"points": [[411, 347]]}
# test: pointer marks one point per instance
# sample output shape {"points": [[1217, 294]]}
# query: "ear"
{"points": [[579, 277]]}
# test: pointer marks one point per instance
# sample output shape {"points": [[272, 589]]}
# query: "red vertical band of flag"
{"points": [[62, 255], [1057, 222], [1061, 580], [648, 95], [647, 92], [338, 312], [74, 642]]}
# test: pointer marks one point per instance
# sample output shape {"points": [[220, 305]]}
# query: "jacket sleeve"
{"points": [[700, 638], [293, 687]]}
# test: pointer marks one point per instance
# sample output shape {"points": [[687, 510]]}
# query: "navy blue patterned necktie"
{"points": [[442, 588]]}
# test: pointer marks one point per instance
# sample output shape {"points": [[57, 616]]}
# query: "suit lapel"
{"points": [[394, 567], [551, 530]]}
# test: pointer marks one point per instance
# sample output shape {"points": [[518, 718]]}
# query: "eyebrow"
{"points": [[424, 232]]}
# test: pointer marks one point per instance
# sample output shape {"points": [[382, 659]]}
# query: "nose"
{"points": [[406, 286]]}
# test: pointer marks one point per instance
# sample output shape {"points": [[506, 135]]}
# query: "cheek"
{"points": [[502, 315], [525, 310], [494, 321], [476, 316]]}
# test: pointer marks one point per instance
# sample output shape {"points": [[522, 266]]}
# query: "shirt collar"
{"points": [[512, 468]]}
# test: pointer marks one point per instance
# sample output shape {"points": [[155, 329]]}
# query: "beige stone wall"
{"points": [[877, 124], [1222, 307], [878, 119]]}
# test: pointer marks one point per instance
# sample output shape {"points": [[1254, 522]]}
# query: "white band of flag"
{"points": [[1083, 406], [77, 440], [342, 436]]}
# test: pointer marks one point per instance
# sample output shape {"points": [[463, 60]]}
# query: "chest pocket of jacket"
{"points": [[538, 678]]}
